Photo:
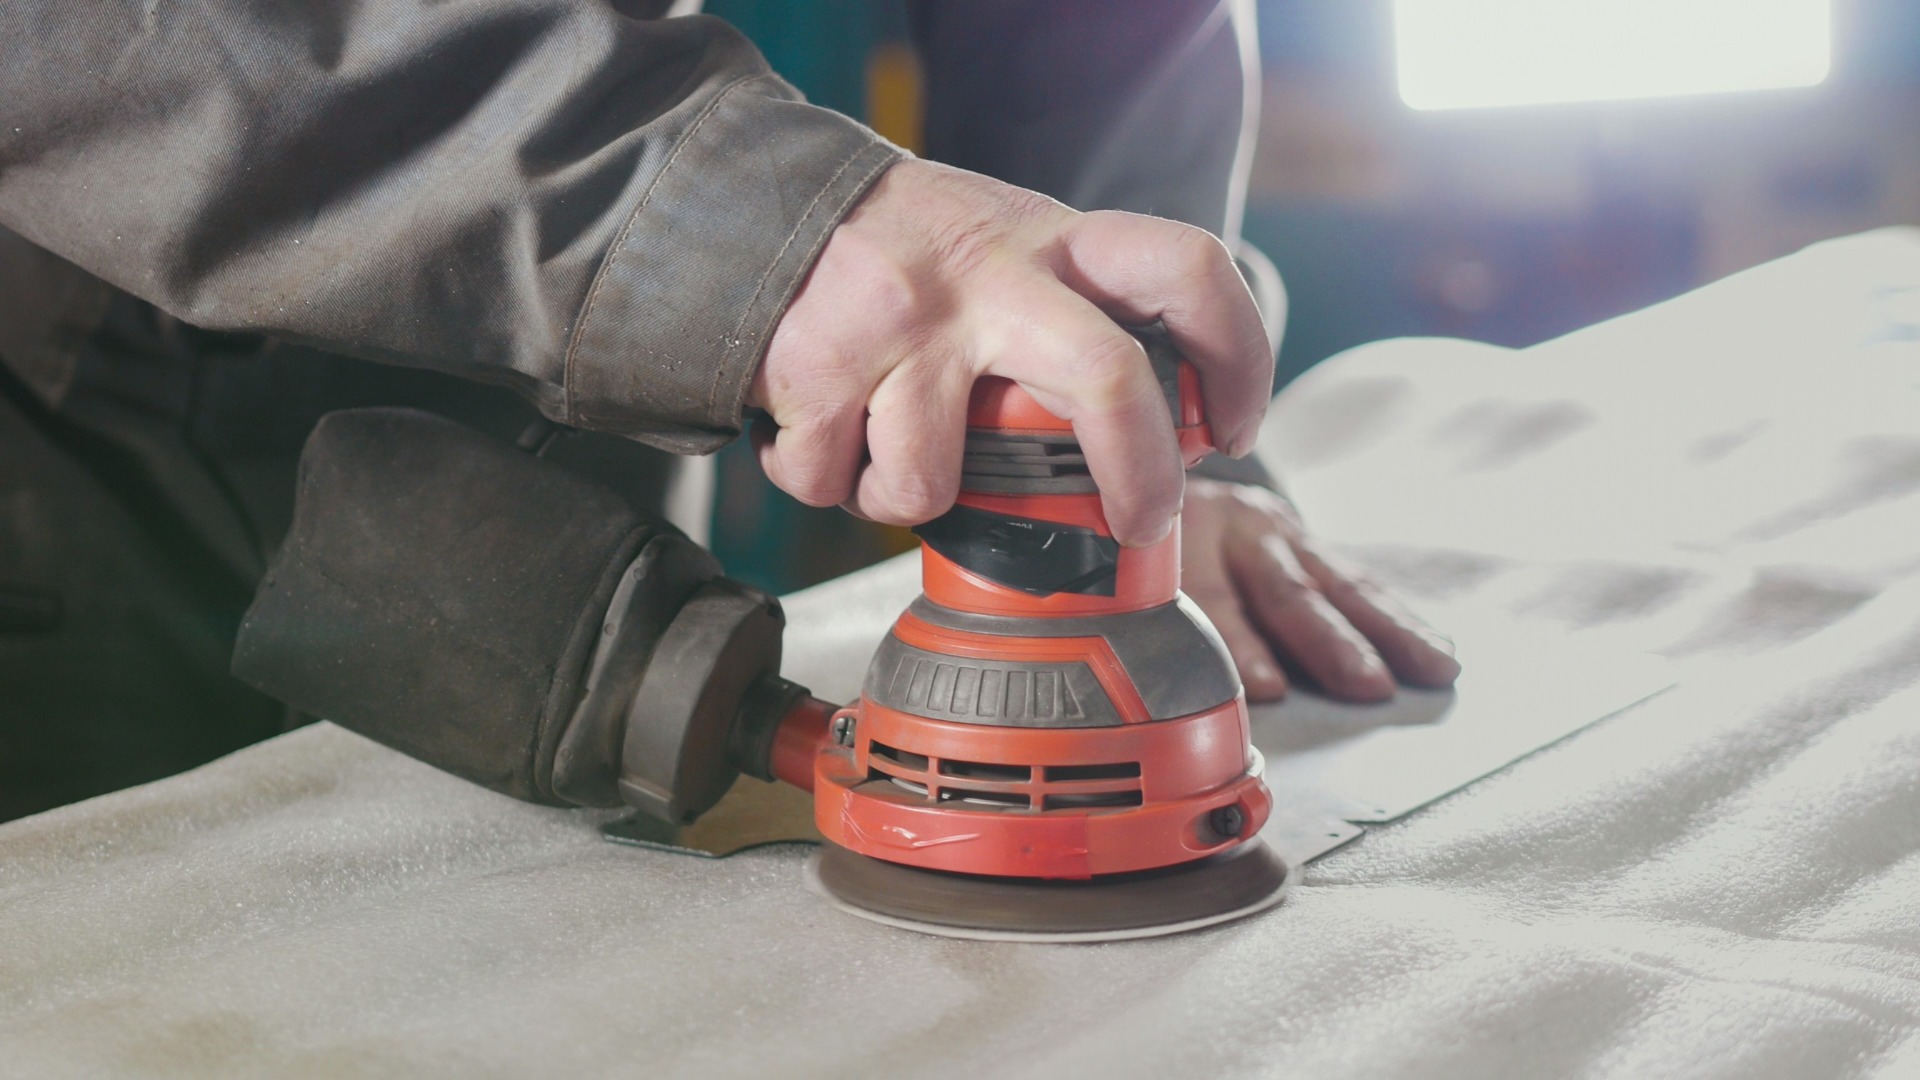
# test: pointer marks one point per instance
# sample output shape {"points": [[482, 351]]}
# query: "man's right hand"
{"points": [[940, 276]]}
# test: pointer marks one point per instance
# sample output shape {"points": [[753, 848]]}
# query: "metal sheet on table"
{"points": [[1375, 763]]}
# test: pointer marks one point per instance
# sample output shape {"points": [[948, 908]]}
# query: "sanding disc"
{"points": [[1113, 907]]}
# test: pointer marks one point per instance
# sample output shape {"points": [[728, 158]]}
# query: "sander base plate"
{"points": [[1114, 907]]}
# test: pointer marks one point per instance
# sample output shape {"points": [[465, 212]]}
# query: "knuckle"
{"points": [[1341, 589], [932, 375], [915, 497], [1198, 253], [1348, 588], [814, 430], [814, 490], [821, 496], [1282, 587], [1247, 501], [1111, 370], [814, 486], [810, 468], [1149, 495], [1330, 565], [1285, 589], [892, 299], [883, 512], [1202, 489], [1267, 508]]}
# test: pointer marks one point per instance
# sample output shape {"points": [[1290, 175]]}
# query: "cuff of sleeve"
{"points": [[682, 310]]}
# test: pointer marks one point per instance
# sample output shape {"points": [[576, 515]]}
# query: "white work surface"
{"points": [[1722, 882]]}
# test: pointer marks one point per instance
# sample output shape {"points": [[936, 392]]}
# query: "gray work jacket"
{"points": [[604, 210]]}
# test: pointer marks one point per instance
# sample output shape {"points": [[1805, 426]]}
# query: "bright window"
{"points": [[1456, 54]]}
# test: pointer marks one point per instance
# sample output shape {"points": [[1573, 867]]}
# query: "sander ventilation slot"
{"points": [[1062, 787]]}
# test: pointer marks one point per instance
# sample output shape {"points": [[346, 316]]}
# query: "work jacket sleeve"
{"points": [[608, 214]]}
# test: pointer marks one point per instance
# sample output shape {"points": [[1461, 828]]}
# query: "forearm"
{"points": [[605, 213]]}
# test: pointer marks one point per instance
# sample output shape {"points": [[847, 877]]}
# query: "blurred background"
{"points": [[1419, 173]]}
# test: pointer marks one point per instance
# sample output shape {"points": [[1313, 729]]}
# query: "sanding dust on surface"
{"points": [[1722, 882]]}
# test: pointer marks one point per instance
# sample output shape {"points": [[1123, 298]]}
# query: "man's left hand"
{"points": [[1275, 595]]}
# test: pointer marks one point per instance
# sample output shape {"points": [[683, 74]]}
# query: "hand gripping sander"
{"points": [[1051, 743]]}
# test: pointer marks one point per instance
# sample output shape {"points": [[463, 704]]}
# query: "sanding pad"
{"points": [[1113, 907]]}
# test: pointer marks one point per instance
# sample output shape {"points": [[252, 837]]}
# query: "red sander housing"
{"points": [[1052, 742]]}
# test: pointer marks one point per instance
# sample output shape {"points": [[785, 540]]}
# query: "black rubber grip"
{"points": [[1040, 557]]}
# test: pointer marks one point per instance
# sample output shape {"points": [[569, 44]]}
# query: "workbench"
{"points": [[1721, 882]]}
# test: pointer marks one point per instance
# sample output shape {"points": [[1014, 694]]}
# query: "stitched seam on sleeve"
{"points": [[720, 372], [619, 243]]}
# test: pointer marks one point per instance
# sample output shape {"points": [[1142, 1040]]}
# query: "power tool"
{"points": [[1051, 744]]}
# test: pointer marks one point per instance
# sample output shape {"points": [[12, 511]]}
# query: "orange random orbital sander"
{"points": [[1051, 743]]}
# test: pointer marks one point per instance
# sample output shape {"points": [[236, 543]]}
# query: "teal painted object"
{"points": [[760, 534], [820, 46]]}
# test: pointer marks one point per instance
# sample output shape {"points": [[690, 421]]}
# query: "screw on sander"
{"points": [[1227, 822], [843, 729]]}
